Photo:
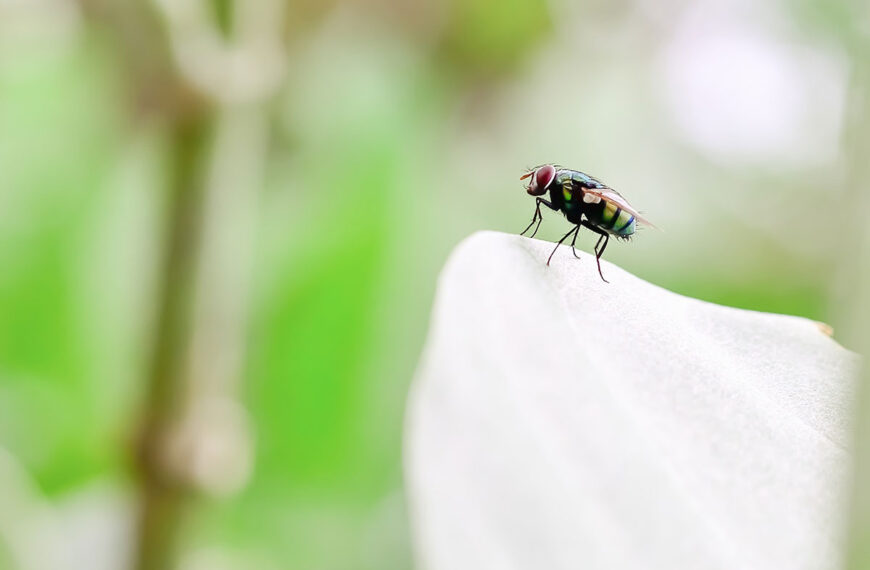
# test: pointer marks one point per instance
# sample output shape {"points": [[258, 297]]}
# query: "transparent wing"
{"points": [[611, 195]]}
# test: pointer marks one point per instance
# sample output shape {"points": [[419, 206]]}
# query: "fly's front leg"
{"points": [[538, 216], [546, 203], [534, 219]]}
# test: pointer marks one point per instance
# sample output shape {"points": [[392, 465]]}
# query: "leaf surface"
{"points": [[557, 422]]}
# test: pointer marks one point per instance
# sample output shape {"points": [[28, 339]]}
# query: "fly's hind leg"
{"points": [[599, 247], [598, 243]]}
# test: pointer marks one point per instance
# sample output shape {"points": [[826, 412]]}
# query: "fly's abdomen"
{"points": [[626, 225], [617, 221]]}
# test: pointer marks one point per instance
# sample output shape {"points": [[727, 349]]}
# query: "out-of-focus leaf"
{"points": [[561, 422], [308, 363], [223, 12], [59, 128], [489, 36]]}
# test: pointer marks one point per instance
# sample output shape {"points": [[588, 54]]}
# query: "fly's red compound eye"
{"points": [[544, 176]]}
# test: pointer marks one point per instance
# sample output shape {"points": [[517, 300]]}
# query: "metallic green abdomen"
{"points": [[617, 221]]}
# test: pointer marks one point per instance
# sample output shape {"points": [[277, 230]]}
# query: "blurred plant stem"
{"points": [[162, 493], [856, 262], [194, 435]]}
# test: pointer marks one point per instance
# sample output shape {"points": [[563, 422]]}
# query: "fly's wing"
{"points": [[610, 195]]}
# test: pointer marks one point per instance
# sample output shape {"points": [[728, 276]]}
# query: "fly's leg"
{"points": [[538, 216], [574, 231], [534, 219], [598, 244], [540, 219], [548, 204], [574, 241], [599, 251]]}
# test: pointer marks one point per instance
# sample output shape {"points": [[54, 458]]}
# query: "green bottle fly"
{"points": [[585, 202]]}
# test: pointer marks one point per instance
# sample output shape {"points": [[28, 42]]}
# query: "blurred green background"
{"points": [[222, 224]]}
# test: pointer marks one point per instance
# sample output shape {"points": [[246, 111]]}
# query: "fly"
{"points": [[585, 202]]}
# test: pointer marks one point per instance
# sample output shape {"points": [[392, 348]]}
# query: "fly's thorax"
{"points": [[568, 191], [573, 183]]}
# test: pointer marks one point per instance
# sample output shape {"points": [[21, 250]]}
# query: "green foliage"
{"points": [[55, 152], [492, 36], [376, 168], [223, 11]]}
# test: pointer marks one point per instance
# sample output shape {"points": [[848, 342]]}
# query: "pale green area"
{"points": [[397, 133]]}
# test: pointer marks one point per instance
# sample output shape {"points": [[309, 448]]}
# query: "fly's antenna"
{"points": [[528, 172]]}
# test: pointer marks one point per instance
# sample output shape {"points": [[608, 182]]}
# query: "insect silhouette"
{"points": [[586, 202]]}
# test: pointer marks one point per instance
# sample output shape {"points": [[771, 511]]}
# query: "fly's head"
{"points": [[540, 179]]}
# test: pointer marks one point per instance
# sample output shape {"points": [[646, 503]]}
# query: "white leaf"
{"points": [[557, 421]]}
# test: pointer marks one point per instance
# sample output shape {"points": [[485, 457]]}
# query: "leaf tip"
{"points": [[826, 329]]}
